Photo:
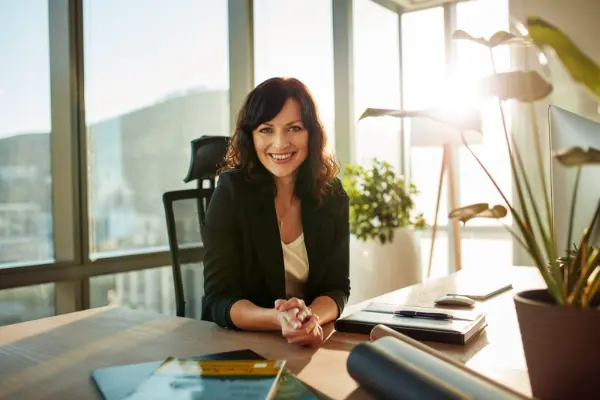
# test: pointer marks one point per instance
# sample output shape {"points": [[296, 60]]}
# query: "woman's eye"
{"points": [[265, 130], [296, 128]]}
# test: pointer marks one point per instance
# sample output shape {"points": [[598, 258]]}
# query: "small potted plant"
{"points": [[385, 254]]}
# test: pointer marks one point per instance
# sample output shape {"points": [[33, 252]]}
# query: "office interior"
{"points": [[99, 101]]}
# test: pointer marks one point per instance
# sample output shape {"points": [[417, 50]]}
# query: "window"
{"points": [[26, 234], [424, 75], [150, 289], [376, 81], [26, 303], [295, 39], [483, 18], [424, 72], [156, 77], [476, 252]]}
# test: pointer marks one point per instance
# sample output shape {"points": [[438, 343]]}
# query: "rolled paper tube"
{"points": [[380, 331]]}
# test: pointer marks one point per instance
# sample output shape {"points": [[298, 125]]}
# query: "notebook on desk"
{"points": [[116, 383], [462, 326]]}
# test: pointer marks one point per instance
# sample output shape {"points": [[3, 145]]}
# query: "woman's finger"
{"points": [[291, 316], [279, 303], [294, 302], [310, 325]]}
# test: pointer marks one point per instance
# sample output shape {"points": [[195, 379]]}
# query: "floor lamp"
{"points": [[426, 132]]}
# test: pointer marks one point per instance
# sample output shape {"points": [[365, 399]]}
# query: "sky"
{"points": [[136, 52]]}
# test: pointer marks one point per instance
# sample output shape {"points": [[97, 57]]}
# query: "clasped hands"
{"points": [[298, 324]]}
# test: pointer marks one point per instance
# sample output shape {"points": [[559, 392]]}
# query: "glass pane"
{"points": [[483, 18], [295, 39], [25, 178], [150, 289], [26, 303], [424, 69], [376, 81], [486, 253], [439, 265], [166, 84]]}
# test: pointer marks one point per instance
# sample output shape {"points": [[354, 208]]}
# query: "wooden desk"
{"points": [[53, 357]]}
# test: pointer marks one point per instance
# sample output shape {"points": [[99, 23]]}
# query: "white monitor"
{"points": [[567, 130]]}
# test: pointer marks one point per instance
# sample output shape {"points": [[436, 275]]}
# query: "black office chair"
{"points": [[207, 155]]}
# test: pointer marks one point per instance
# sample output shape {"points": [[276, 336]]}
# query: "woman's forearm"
{"points": [[325, 308], [250, 317]]}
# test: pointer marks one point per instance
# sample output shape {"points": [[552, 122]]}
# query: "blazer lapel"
{"points": [[267, 242]]}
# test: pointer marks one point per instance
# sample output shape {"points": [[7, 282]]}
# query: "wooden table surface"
{"points": [[53, 357]]}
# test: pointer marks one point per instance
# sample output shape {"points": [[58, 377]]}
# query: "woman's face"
{"points": [[282, 143]]}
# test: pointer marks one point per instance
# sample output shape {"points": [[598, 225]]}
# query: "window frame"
{"points": [[72, 268]]}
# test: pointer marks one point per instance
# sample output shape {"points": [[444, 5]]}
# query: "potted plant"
{"points": [[385, 254], [559, 324]]}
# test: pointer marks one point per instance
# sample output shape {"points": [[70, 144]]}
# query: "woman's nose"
{"points": [[280, 140]]}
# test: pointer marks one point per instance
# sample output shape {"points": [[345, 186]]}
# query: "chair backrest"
{"points": [[188, 277], [207, 155]]}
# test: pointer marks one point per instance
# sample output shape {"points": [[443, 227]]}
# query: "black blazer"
{"points": [[244, 258]]}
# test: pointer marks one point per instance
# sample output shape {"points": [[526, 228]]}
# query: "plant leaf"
{"points": [[581, 67], [464, 120], [497, 39], [383, 112], [515, 85], [462, 35], [583, 259], [503, 37], [576, 156], [478, 210]]}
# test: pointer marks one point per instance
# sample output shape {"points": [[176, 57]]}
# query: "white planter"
{"points": [[376, 269]]}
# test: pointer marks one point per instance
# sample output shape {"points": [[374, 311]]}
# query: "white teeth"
{"points": [[281, 156]]}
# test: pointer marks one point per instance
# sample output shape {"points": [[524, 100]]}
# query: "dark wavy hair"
{"points": [[317, 172]]}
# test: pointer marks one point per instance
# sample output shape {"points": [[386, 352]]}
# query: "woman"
{"points": [[276, 233]]}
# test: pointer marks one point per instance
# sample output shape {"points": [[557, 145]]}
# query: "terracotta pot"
{"points": [[561, 346]]}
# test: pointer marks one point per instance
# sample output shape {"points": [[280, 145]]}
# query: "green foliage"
{"points": [[380, 202], [573, 279]]}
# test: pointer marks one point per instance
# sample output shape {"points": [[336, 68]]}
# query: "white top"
{"points": [[295, 261]]}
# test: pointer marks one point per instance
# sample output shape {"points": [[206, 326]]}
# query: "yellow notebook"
{"points": [[179, 378]]}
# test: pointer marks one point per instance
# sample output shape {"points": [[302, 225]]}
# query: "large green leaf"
{"points": [[478, 210], [514, 85], [462, 120], [581, 67], [497, 39], [577, 156], [384, 112]]}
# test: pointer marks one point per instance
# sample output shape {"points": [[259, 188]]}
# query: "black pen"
{"points": [[419, 314], [430, 315]]}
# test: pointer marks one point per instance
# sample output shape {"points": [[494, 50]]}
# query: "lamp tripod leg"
{"points": [[453, 205], [437, 209]]}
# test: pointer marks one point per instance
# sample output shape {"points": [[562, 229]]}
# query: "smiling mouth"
{"points": [[282, 156]]}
